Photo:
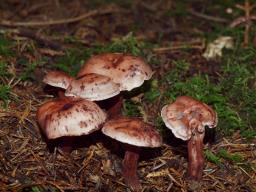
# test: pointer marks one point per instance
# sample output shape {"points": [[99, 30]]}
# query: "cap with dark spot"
{"points": [[67, 117], [178, 115], [132, 131], [93, 87], [57, 79], [127, 70]]}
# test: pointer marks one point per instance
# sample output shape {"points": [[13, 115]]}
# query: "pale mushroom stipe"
{"points": [[187, 118], [135, 133]]}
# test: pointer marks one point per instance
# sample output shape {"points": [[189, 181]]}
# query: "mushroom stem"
{"points": [[112, 105], [195, 151], [129, 170], [67, 144], [115, 110], [61, 94]]}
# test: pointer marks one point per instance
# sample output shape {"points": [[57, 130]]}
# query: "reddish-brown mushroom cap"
{"points": [[132, 131], [128, 71], [66, 117], [57, 79], [93, 87], [177, 115]]}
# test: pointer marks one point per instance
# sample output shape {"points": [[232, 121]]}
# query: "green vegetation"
{"points": [[221, 155], [3, 69], [131, 109], [236, 158], [75, 57], [70, 62], [153, 92], [28, 70], [212, 157], [4, 94], [5, 46]]}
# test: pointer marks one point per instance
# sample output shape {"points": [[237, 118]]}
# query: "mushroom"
{"points": [[135, 133], [68, 117], [94, 87], [57, 79], [187, 119], [126, 70]]}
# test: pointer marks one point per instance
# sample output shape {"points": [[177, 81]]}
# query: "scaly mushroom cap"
{"points": [[57, 79], [128, 71], [93, 87], [177, 116], [132, 131], [67, 117]]}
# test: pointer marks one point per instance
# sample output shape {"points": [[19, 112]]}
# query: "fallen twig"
{"points": [[207, 17], [101, 11], [182, 45]]}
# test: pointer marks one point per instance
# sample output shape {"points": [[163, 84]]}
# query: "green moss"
{"points": [[235, 157], [249, 134], [6, 46], [153, 92], [212, 157], [74, 58], [71, 61], [4, 69], [4, 94], [131, 109], [28, 69]]}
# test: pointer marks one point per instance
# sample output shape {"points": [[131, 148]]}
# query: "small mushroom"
{"points": [[135, 133], [127, 70], [57, 79], [94, 87], [187, 118], [69, 117]]}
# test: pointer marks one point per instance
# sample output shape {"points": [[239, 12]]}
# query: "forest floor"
{"points": [[172, 36]]}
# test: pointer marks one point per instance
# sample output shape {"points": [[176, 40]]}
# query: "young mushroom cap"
{"points": [[177, 116], [57, 79], [127, 70], [93, 87], [68, 117], [132, 131]]}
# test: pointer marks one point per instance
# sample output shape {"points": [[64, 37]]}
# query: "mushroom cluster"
{"points": [[187, 119], [102, 77]]}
